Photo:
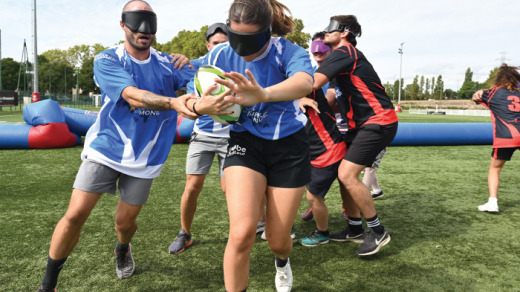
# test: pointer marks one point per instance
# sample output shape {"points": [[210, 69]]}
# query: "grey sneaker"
{"points": [[347, 235], [182, 242], [372, 243], [125, 264], [260, 227], [284, 278]]}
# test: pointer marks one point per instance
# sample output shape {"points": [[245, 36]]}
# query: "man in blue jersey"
{"points": [[130, 140], [208, 138]]}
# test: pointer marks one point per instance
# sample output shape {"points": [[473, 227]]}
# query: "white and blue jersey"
{"points": [[131, 140], [281, 60], [205, 124]]}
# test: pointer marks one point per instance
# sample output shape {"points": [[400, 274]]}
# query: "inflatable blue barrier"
{"points": [[52, 126], [14, 136], [79, 121], [184, 130], [46, 128], [440, 134], [43, 112]]}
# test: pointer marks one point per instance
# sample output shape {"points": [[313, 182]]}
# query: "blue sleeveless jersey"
{"points": [[132, 140], [281, 60]]}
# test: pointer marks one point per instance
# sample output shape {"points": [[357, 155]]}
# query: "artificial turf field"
{"points": [[440, 241]]}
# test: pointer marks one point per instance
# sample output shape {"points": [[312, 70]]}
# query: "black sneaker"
{"points": [[372, 243], [182, 242], [125, 264], [376, 196], [347, 235]]}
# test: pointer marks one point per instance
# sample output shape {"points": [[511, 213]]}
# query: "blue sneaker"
{"points": [[182, 242], [315, 238]]}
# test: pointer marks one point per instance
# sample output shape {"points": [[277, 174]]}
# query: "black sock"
{"points": [[355, 225], [374, 225], [51, 273], [281, 263], [123, 248], [325, 233]]}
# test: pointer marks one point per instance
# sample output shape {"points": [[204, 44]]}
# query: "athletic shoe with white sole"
{"points": [[376, 196], [260, 227], [347, 235], [372, 243], [293, 235], [125, 264], [488, 207], [180, 244], [284, 278], [315, 238]]}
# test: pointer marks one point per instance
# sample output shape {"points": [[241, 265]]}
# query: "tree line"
{"points": [[60, 70], [425, 88]]}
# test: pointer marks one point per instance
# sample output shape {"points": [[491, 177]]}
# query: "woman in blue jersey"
{"points": [[268, 152], [504, 102]]}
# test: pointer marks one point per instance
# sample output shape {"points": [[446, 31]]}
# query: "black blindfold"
{"points": [[142, 21], [334, 26], [245, 44]]}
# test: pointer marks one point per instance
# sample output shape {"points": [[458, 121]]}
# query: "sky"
{"points": [[443, 37]]}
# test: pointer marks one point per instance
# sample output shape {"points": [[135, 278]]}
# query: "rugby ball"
{"points": [[204, 78]]}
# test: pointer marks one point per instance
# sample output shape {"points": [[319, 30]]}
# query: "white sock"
{"points": [[493, 200], [376, 191]]}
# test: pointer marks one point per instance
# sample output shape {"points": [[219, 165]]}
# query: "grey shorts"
{"points": [[379, 157], [202, 151], [97, 178]]}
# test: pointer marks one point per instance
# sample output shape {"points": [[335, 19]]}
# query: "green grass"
{"points": [[440, 242]]}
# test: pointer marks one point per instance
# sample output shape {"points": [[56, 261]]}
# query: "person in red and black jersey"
{"points": [[504, 102], [327, 149], [372, 125]]}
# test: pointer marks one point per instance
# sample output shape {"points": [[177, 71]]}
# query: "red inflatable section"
{"points": [[53, 135]]}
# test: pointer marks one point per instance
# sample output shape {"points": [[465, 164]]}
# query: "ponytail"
{"points": [[282, 24]]}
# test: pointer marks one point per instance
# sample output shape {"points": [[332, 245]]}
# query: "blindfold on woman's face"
{"points": [[246, 44]]}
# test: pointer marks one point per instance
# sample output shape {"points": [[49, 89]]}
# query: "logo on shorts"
{"points": [[236, 150]]}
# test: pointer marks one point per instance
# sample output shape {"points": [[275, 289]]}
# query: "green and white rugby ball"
{"points": [[204, 78]]}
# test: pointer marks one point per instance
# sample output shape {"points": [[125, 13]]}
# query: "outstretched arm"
{"points": [[148, 100], [249, 92]]}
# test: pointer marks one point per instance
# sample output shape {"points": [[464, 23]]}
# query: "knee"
{"points": [[278, 245], [76, 217], [242, 240], [124, 226]]}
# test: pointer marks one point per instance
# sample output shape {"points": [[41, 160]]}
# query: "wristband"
{"points": [[194, 110]]}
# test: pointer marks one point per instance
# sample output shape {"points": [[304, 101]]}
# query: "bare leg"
{"points": [[67, 231], [495, 166], [320, 211], [244, 195], [194, 184]]}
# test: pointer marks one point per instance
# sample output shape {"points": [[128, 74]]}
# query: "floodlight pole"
{"points": [[36, 92], [400, 74]]}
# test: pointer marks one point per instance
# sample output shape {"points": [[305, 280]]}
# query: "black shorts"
{"points": [[322, 179], [503, 153], [284, 162], [366, 142]]}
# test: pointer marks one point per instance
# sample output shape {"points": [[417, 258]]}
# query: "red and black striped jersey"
{"points": [[361, 96], [505, 116], [326, 142]]}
